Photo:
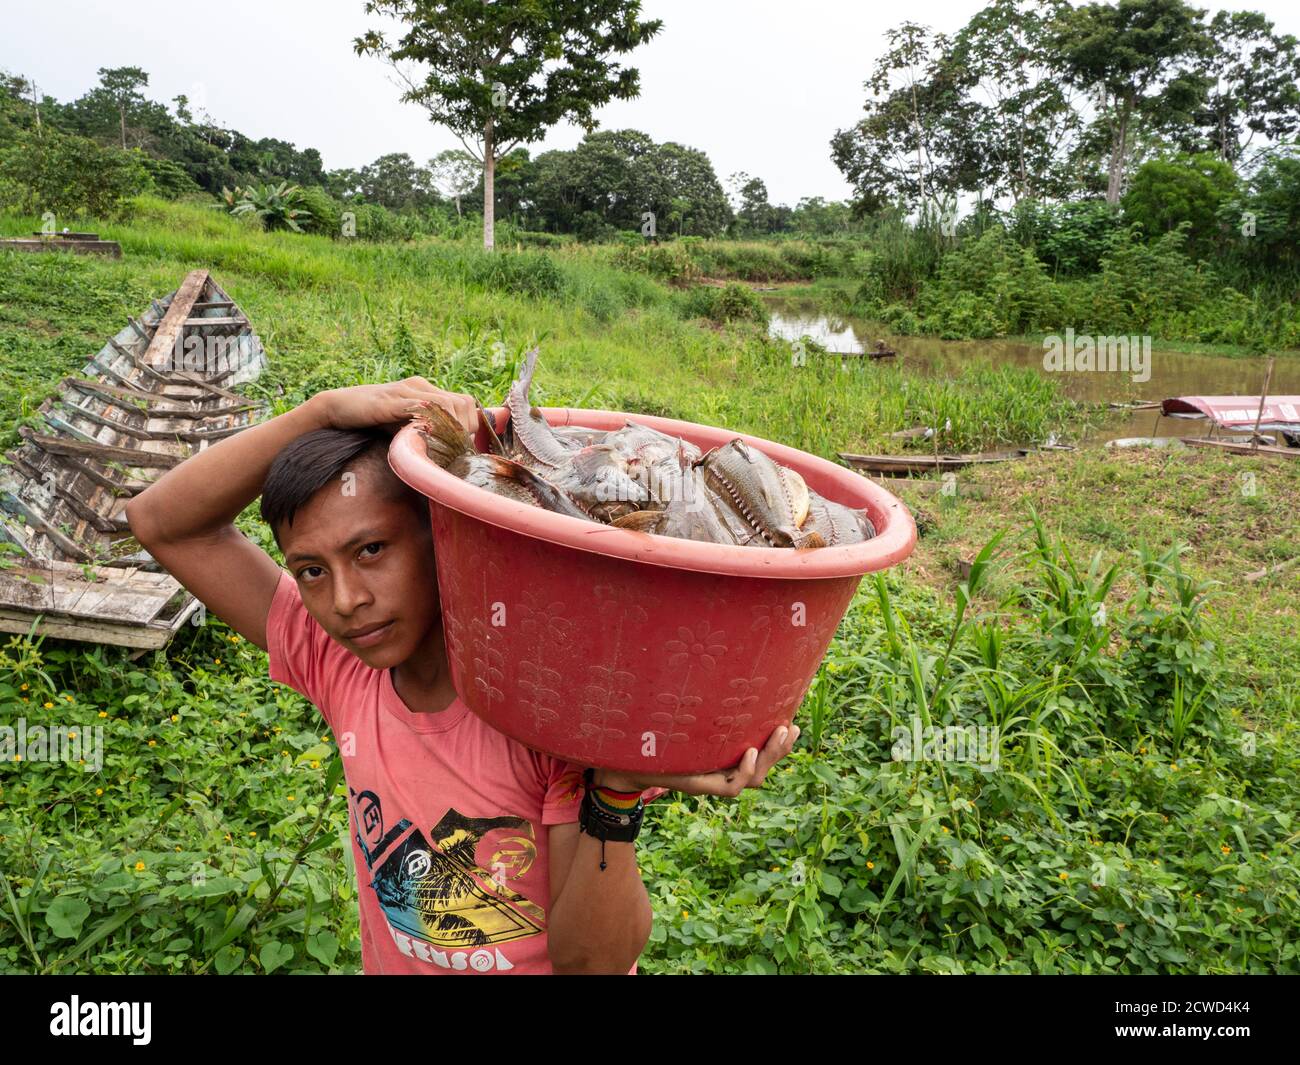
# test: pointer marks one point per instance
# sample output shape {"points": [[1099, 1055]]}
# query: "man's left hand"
{"points": [[749, 772]]}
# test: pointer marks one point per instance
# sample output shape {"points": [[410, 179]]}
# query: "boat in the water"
{"points": [[160, 390]]}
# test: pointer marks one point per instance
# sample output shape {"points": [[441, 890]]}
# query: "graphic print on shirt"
{"points": [[433, 888]]}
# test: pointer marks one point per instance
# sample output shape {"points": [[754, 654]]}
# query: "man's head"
{"points": [[357, 541]]}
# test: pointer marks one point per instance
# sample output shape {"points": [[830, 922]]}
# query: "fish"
{"points": [[835, 523], [690, 511], [772, 499], [639, 478], [452, 448]]}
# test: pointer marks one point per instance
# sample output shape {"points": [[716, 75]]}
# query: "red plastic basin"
{"points": [[630, 651]]}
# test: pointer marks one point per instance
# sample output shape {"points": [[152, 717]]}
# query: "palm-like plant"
{"points": [[276, 205]]}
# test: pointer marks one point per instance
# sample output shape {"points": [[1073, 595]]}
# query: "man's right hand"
{"points": [[392, 404]]}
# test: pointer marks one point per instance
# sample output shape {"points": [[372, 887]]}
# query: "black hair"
{"points": [[316, 459]]}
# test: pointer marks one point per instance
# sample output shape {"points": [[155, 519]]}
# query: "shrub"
{"points": [[325, 214], [167, 179], [278, 206], [667, 262], [68, 175], [989, 287], [731, 302]]}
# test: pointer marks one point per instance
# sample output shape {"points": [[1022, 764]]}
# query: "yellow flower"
{"points": [[1173, 766], [285, 753], [1142, 750], [178, 847], [1226, 849], [139, 867], [49, 705], [217, 660], [1065, 876], [153, 743], [252, 833], [99, 791], [944, 827], [315, 765], [69, 698], [72, 735], [291, 799], [871, 865], [228, 839], [1006, 837], [103, 713], [324, 739], [23, 686], [176, 717], [18, 758], [686, 913]]}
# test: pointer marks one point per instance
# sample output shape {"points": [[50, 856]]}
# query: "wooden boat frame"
{"points": [[146, 401]]}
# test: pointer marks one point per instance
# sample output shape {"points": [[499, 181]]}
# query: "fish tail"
{"points": [[639, 520], [445, 439]]}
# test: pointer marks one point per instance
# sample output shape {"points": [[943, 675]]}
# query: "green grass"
{"points": [[223, 847]]}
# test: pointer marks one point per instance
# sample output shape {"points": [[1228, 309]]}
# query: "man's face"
{"points": [[364, 565]]}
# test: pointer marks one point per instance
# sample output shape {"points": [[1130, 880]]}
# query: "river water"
{"points": [[1168, 373]]}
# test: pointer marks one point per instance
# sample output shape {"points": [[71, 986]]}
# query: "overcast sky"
{"points": [[759, 85]]}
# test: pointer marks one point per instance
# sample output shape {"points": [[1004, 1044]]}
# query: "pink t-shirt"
{"points": [[448, 815]]}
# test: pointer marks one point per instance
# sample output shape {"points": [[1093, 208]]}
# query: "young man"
{"points": [[467, 844]]}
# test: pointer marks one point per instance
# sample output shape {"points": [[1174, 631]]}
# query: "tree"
{"points": [[1252, 75], [122, 85], [501, 74], [622, 179], [896, 151], [395, 181], [1016, 122], [753, 213], [455, 174], [1138, 57]]}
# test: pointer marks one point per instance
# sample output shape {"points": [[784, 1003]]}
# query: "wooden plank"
{"points": [[86, 513], [1244, 449], [154, 402], [149, 637], [213, 305], [37, 458], [191, 322], [104, 452], [111, 248], [173, 323], [38, 524]]}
